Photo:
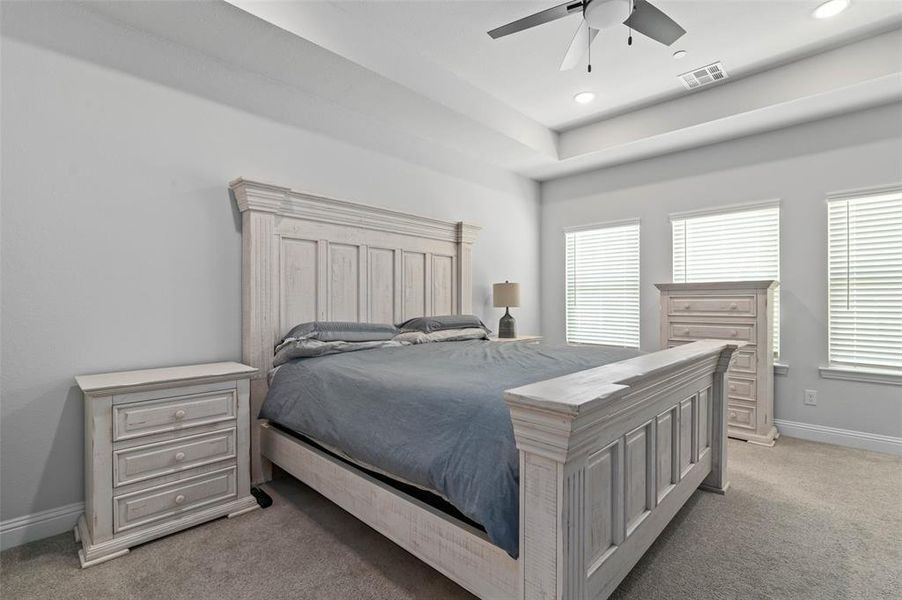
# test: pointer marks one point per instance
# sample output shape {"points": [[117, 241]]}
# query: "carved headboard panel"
{"points": [[307, 258]]}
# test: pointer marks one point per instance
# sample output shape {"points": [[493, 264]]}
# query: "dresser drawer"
{"points": [[742, 332], [743, 306], [173, 499], [745, 361], [741, 388], [741, 416], [171, 414], [154, 460]]}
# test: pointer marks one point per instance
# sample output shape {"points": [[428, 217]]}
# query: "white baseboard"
{"points": [[841, 437], [29, 528], [36, 526]]}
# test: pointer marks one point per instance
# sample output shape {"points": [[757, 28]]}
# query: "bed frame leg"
{"points": [[261, 467], [717, 481]]}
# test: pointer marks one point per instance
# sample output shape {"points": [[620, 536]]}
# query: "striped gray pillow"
{"points": [[443, 322], [341, 331]]}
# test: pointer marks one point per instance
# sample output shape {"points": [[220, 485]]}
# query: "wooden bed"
{"points": [[607, 455]]}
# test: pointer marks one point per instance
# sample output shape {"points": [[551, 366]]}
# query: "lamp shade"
{"points": [[506, 294]]}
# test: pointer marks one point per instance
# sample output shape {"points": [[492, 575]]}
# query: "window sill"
{"points": [[865, 375], [781, 368]]}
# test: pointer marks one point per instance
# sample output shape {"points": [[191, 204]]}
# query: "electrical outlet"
{"points": [[811, 397]]}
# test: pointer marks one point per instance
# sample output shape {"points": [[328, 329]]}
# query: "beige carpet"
{"points": [[802, 521]]}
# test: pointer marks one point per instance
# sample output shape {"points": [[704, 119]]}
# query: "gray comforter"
{"points": [[432, 415]]}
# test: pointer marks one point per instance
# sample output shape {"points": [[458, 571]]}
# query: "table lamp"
{"points": [[506, 294]]}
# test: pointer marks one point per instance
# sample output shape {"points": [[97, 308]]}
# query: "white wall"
{"points": [[121, 248], [799, 165]]}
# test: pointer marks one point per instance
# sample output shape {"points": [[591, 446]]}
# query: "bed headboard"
{"points": [[307, 258]]}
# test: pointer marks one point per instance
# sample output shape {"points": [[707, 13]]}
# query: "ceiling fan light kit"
{"points": [[640, 15], [607, 13], [584, 97], [831, 8]]}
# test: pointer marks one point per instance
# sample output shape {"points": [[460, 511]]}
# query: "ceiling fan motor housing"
{"points": [[604, 14]]}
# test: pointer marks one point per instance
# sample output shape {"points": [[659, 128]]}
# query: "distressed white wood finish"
{"points": [[607, 457], [591, 496], [165, 449], [136, 419], [457, 550], [307, 258], [734, 310], [153, 460], [165, 501]]}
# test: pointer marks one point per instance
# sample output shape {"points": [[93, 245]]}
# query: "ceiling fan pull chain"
{"points": [[589, 48], [629, 40]]}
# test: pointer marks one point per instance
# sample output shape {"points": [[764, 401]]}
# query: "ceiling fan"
{"points": [[640, 15]]}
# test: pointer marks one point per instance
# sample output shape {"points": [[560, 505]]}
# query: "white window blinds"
{"points": [[603, 285], [864, 241], [731, 245]]}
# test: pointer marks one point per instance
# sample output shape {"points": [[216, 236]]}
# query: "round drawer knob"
{"points": [[732, 415], [179, 456], [687, 306], [734, 333], [179, 415], [732, 389], [179, 499], [685, 332]]}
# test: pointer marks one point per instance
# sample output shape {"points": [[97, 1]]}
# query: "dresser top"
{"points": [[718, 285], [164, 376]]}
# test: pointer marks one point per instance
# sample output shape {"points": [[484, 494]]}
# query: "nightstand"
{"points": [[165, 449], [533, 339]]}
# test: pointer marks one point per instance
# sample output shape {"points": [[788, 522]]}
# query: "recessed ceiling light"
{"points": [[679, 54], [584, 97], [831, 8]]}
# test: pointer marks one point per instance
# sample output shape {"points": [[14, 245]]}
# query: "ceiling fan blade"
{"points": [[584, 37], [551, 14], [649, 20]]}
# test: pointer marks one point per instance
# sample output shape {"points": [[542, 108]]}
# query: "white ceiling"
{"points": [[422, 81], [522, 70]]}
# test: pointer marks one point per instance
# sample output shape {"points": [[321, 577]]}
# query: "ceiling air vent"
{"points": [[703, 76]]}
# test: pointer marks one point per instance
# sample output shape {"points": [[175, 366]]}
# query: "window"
{"points": [[603, 284], [738, 244], [864, 238]]}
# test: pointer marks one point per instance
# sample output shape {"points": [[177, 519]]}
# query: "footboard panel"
{"points": [[633, 487], [607, 458]]}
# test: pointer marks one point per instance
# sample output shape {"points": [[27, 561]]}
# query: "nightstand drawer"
{"points": [[743, 306], [741, 388], [171, 414], [743, 332], [739, 415], [154, 460], [174, 499], [745, 361]]}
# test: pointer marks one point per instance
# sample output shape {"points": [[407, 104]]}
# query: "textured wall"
{"points": [[121, 248], [800, 166]]}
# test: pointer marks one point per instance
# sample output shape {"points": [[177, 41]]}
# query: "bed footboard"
{"points": [[608, 456]]}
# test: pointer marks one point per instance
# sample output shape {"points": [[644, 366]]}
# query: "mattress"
{"points": [[429, 415]]}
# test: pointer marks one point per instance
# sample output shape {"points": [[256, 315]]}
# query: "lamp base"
{"points": [[507, 326]]}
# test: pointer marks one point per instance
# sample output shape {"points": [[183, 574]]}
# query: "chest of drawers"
{"points": [[740, 311], [165, 449]]}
